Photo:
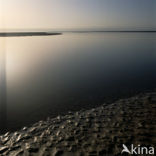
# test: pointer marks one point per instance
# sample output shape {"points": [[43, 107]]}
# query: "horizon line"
{"points": [[78, 31]]}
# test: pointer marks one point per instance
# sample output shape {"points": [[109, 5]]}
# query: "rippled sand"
{"points": [[98, 131]]}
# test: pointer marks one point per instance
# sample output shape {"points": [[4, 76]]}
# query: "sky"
{"points": [[77, 14]]}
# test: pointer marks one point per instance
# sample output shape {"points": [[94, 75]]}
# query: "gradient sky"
{"points": [[64, 14]]}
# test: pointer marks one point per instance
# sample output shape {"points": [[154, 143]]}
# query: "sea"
{"points": [[47, 76]]}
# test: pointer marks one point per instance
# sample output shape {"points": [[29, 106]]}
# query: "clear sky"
{"points": [[64, 14]]}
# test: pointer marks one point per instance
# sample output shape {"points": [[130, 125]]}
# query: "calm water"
{"points": [[50, 75]]}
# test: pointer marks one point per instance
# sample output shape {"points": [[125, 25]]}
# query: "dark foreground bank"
{"points": [[16, 34], [98, 131]]}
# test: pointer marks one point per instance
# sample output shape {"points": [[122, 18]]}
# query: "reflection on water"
{"points": [[3, 98], [51, 75]]}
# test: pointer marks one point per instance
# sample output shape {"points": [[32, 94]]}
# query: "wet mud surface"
{"points": [[98, 131]]}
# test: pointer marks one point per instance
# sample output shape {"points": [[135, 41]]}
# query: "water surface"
{"points": [[50, 75]]}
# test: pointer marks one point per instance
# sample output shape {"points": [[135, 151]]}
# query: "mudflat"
{"points": [[99, 131]]}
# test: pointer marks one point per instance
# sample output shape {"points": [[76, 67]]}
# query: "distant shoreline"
{"points": [[15, 34], [112, 31], [18, 34]]}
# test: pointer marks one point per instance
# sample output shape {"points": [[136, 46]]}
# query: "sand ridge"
{"points": [[18, 34]]}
